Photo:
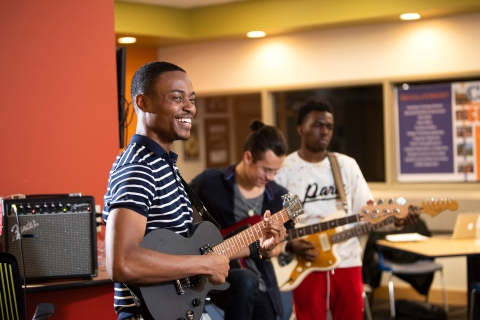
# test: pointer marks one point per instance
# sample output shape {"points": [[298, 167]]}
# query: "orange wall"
{"points": [[58, 111], [137, 56]]}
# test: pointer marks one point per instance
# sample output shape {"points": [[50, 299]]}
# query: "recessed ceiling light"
{"points": [[409, 16], [127, 40], [256, 34]]}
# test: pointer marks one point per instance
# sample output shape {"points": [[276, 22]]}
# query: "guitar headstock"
{"points": [[292, 205], [377, 212], [434, 206]]}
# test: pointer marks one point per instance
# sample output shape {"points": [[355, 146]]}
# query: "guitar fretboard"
{"points": [[322, 226], [243, 239], [359, 230]]}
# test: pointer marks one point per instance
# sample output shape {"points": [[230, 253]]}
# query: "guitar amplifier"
{"points": [[58, 235]]}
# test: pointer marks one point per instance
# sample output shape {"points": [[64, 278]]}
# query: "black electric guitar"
{"points": [[184, 298]]}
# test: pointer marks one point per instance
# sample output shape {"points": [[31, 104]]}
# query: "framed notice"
{"points": [[438, 132], [191, 148], [217, 142]]}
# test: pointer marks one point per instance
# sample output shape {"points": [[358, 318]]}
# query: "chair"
{"points": [[12, 304], [415, 268], [367, 289], [475, 288]]}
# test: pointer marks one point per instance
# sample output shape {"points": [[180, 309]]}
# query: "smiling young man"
{"points": [[243, 191], [308, 173], [145, 191]]}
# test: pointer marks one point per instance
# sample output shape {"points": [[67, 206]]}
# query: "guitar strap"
{"points": [[198, 203], [338, 179]]}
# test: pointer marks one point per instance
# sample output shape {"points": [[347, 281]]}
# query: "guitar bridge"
{"points": [[185, 283]]}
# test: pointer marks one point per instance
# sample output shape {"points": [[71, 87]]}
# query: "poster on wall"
{"points": [[438, 132], [217, 142]]}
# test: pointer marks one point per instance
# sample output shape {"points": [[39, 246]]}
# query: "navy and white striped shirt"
{"points": [[145, 179]]}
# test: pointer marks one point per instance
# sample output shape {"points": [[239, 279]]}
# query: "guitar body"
{"points": [[162, 301], [292, 273]]}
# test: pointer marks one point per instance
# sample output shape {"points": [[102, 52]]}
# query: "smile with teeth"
{"points": [[185, 120]]}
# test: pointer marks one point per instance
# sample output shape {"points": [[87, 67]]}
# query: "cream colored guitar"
{"points": [[290, 270]]}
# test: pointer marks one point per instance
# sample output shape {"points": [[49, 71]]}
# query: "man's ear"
{"points": [[247, 157], [141, 101], [300, 130]]}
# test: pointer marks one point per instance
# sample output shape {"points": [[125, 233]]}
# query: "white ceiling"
{"points": [[181, 3]]}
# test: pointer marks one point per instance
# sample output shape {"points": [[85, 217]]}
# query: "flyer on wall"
{"points": [[438, 132]]}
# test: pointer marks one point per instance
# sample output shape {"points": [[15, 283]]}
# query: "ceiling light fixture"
{"points": [[127, 40], [409, 16], [256, 34]]}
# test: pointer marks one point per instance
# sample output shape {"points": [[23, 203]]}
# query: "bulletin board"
{"points": [[438, 132]]}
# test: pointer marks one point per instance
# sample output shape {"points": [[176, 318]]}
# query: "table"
{"points": [[102, 278], [75, 299], [436, 247]]}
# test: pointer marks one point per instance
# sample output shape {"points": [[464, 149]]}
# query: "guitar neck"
{"points": [[359, 230], [243, 239], [322, 226]]}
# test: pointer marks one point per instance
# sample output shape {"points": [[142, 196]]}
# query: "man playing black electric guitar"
{"points": [[145, 195]]}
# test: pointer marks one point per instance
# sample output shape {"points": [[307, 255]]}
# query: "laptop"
{"points": [[465, 226]]}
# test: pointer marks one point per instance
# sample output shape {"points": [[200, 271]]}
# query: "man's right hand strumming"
{"points": [[217, 268]]}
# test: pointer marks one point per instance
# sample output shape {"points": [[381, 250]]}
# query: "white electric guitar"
{"points": [[291, 270]]}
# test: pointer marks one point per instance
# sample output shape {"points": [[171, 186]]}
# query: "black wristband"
{"points": [[288, 247], [255, 251]]}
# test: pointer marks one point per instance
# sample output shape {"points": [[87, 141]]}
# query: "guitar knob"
{"points": [[197, 302], [308, 264], [299, 269], [190, 315]]}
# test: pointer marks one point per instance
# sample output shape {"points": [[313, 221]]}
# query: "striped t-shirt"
{"points": [[145, 179]]}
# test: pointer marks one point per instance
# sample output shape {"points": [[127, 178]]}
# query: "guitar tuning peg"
{"points": [[391, 201], [380, 201], [370, 202], [401, 201]]}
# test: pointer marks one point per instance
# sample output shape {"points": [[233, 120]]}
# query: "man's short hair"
{"points": [[147, 76], [313, 105]]}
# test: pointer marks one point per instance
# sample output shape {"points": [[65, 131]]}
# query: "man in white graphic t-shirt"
{"points": [[307, 173]]}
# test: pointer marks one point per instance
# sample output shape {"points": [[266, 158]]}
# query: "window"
{"points": [[358, 116]]}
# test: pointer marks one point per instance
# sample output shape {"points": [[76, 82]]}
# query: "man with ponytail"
{"points": [[239, 192]]}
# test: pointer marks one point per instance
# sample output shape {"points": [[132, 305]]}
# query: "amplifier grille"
{"points": [[55, 245]]}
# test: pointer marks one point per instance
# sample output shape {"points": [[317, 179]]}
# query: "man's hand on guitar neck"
{"points": [[274, 234], [411, 218], [302, 248]]}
